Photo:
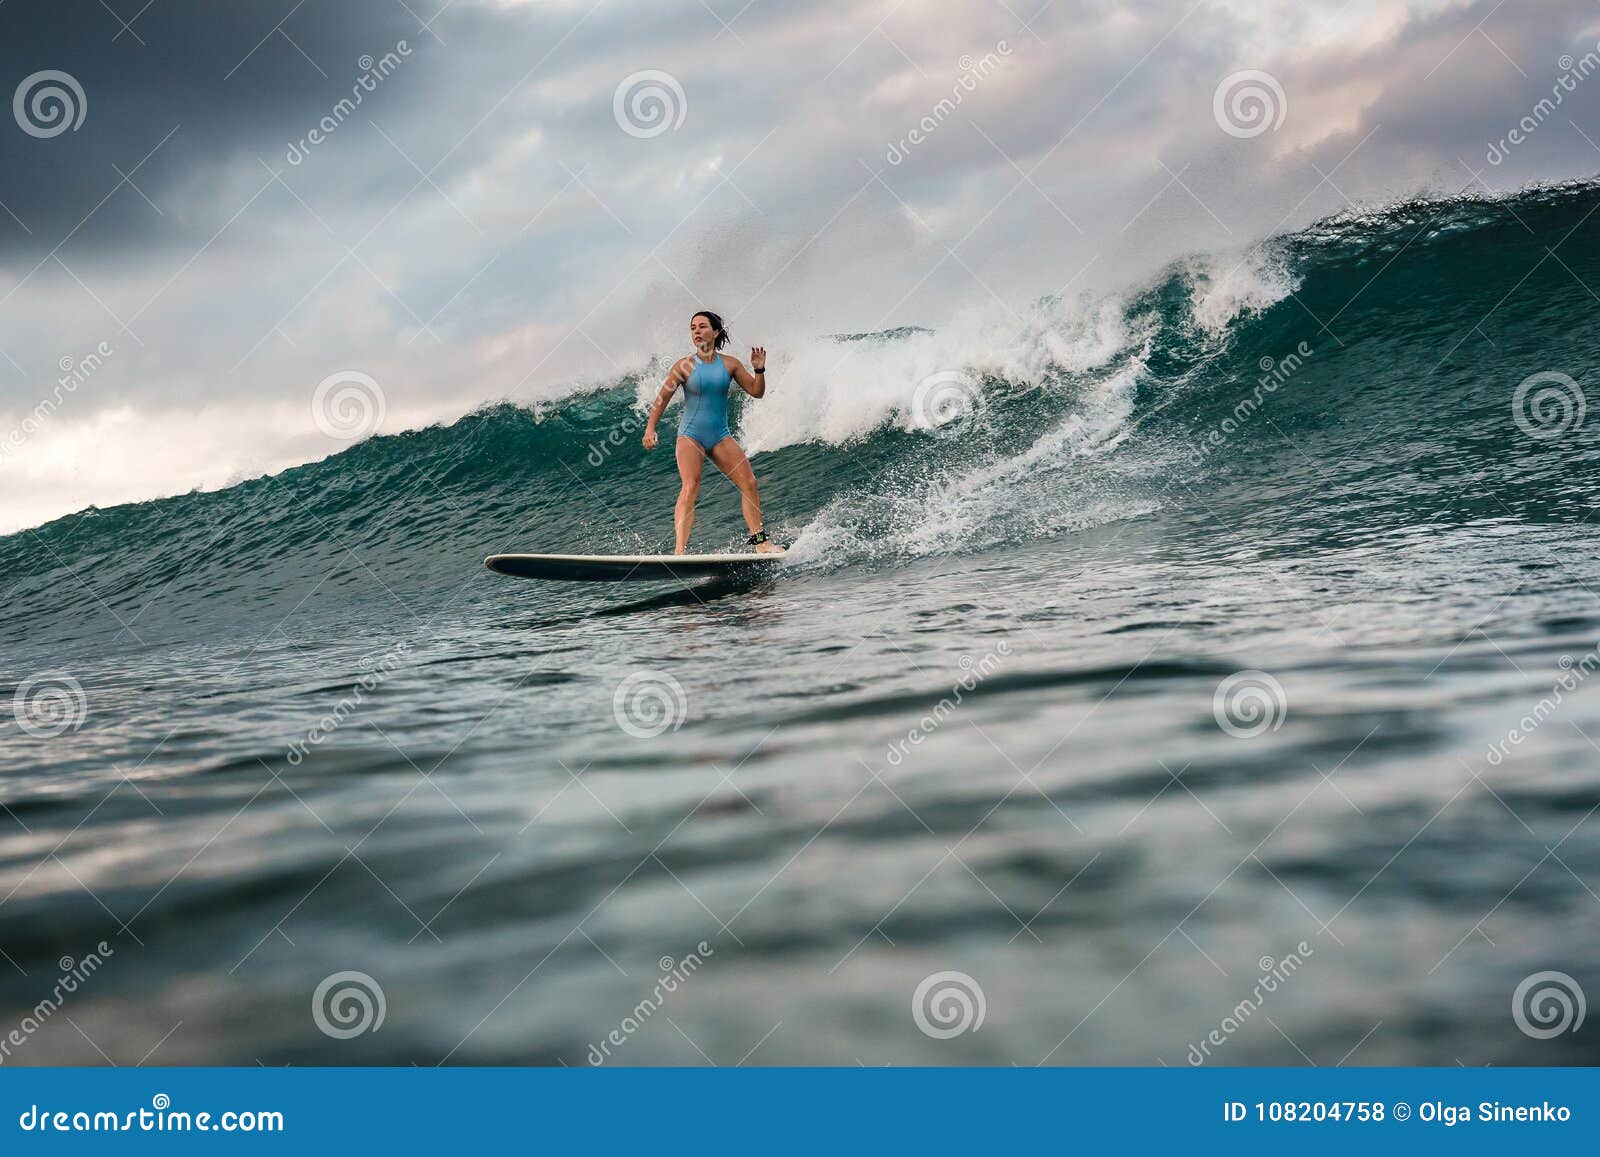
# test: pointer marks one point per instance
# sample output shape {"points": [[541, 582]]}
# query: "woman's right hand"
{"points": [[650, 438]]}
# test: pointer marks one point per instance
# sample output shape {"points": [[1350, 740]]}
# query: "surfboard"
{"points": [[629, 567]]}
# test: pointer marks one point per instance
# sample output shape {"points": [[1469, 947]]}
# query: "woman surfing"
{"points": [[706, 376]]}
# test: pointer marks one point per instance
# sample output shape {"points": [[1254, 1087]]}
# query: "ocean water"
{"points": [[1200, 674]]}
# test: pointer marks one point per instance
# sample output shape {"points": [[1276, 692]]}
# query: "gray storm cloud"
{"points": [[490, 219]]}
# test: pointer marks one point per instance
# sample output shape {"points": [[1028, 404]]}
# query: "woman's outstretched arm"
{"points": [[752, 381]]}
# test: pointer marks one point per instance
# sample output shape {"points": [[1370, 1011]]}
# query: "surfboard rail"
{"points": [[628, 567]]}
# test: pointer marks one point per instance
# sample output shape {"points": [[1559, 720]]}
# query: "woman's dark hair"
{"points": [[716, 324]]}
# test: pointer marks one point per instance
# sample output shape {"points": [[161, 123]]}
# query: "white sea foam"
{"points": [[1046, 487], [837, 392], [1225, 288]]}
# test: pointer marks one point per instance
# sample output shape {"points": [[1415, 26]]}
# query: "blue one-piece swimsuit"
{"points": [[705, 403]]}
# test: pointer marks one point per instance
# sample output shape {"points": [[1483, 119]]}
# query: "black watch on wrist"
{"points": [[762, 370]]}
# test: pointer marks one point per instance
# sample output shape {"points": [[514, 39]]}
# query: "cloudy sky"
{"points": [[530, 196]]}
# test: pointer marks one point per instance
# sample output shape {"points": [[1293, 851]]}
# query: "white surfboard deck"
{"points": [[627, 567]]}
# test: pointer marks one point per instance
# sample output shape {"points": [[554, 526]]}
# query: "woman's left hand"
{"points": [[758, 359]]}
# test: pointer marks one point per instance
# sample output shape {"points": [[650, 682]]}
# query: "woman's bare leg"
{"points": [[732, 462], [691, 461]]}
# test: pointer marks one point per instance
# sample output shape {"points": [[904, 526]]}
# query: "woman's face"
{"points": [[701, 332]]}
